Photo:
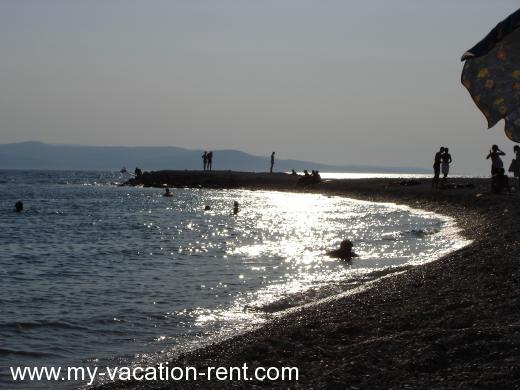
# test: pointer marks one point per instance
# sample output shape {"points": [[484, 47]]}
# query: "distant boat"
{"points": [[123, 170]]}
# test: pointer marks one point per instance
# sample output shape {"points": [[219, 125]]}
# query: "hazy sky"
{"points": [[352, 81]]}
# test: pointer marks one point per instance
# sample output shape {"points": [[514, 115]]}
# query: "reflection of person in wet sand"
{"points": [[344, 251]]}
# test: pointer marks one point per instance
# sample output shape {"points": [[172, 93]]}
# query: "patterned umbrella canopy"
{"points": [[491, 74]]}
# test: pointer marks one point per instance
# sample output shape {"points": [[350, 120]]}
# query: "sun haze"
{"points": [[340, 82]]}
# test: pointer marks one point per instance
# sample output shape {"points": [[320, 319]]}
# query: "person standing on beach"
{"points": [[437, 167], [205, 159], [272, 163], [496, 161], [446, 161], [515, 164], [210, 160]]}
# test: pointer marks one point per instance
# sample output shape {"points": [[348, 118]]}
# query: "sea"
{"points": [[94, 273]]}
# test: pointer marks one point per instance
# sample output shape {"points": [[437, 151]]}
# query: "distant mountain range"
{"points": [[38, 155]]}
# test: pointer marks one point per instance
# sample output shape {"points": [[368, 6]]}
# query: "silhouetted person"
{"points": [[316, 178], [344, 251], [272, 163], [138, 172], [446, 161], [516, 164], [293, 172], [18, 207], [496, 161], [306, 179], [437, 167], [205, 160], [210, 160]]}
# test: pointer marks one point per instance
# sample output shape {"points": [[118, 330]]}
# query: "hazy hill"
{"points": [[37, 155]]}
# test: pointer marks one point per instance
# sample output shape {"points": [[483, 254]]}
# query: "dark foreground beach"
{"points": [[453, 323]]}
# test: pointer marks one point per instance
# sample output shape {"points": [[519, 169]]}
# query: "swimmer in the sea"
{"points": [[167, 193], [18, 207], [344, 251]]}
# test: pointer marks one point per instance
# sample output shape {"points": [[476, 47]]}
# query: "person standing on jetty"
{"points": [[446, 161], [205, 160], [496, 161], [209, 160], [437, 167], [272, 163]]}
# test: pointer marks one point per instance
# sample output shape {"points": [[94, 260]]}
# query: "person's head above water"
{"points": [[18, 206], [167, 192], [346, 245], [344, 251]]}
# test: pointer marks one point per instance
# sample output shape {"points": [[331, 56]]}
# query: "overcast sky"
{"points": [[351, 81]]}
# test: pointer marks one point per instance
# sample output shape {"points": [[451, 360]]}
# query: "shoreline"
{"points": [[453, 322]]}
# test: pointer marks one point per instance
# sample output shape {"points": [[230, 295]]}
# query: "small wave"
{"points": [[393, 236], [105, 321], [34, 354], [424, 232], [302, 298], [313, 295], [27, 325]]}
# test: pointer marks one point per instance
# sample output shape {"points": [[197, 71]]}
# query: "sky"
{"points": [[338, 82]]}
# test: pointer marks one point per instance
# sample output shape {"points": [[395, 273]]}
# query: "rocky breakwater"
{"points": [[214, 179]]}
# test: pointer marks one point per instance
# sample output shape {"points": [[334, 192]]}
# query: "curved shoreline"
{"points": [[449, 323]]}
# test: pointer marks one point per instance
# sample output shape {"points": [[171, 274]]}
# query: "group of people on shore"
{"points": [[499, 179], [309, 178], [207, 160]]}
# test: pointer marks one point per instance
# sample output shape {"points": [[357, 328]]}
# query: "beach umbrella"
{"points": [[491, 74]]}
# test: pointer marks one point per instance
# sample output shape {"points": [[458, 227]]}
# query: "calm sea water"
{"points": [[94, 273]]}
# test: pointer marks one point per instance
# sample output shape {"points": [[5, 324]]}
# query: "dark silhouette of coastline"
{"points": [[217, 179]]}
